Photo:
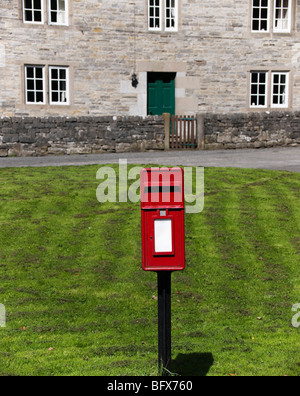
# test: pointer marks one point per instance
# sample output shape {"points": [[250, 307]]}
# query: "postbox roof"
{"points": [[162, 188]]}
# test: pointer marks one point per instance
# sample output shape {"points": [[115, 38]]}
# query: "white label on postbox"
{"points": [[163, 236]]}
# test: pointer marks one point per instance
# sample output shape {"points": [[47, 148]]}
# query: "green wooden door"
{"points": [[161, 93]]}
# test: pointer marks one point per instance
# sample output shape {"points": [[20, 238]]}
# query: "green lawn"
{"points": [[78, 302]]}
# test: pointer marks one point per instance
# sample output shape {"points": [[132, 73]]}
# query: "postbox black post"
{"points": [[164, 321]]}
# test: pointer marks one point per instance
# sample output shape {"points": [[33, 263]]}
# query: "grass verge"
{"points": [[78, 303]]}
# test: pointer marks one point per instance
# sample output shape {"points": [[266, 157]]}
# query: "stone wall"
{"points": [[252, 130], [29, 136]]}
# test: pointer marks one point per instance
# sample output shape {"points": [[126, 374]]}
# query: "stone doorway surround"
{"points": [[185, 102]]}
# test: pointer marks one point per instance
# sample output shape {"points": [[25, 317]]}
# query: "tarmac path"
{"points": [[279, 158]]}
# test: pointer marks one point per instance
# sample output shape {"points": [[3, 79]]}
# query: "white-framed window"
{"points": [[258, 89], [282, 16], [154, 16], [171, 15], [59, 85], [35, 84], [260, 15], [33, 11], [271, 15], [163, 15], [58, 12], [280, 89], [269, 89]]}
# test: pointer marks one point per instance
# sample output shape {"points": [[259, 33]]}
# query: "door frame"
{"points": [[159, 78]]}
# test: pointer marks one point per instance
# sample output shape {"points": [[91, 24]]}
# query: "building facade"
{"points": [[142, 57]]}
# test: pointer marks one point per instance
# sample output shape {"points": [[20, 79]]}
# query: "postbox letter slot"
{"points": [[162, 189], [163, 241]]}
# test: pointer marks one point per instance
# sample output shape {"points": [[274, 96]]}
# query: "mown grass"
{"points": [[78, 303]]}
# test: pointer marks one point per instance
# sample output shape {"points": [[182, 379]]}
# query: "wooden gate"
{"points": [[183, 132]]}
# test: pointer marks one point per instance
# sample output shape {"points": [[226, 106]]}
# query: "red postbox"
{"points": [[162, 204]]}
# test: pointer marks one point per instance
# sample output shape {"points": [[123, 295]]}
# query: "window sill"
{"points": [[268, 109], [266, 34], [164, 33]]}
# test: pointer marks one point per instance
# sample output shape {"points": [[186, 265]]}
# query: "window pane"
{"points": [[53, 5], [254, 77], [62, 5], [63, 97], [264, 26], [39, 72], [39, 97], [37, 16], [256, 13], [258, 96], [30, 72], [254, 89], [30, 84], [30, 96], [62, 73], [28, 3], [54, 73], [262, 77], [28, 16], [54, 17], [255, 25], [54, 85], [254, 100], [282, 89], [39, 85], [62, 85], [54, 97], [264, 13]]}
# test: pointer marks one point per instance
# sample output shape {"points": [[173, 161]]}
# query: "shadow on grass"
{"points": [[192, 364]]}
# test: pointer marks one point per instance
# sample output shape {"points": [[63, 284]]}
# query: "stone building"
{"points": [[141, 57]]}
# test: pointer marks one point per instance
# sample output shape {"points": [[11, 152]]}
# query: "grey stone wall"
{"points": [[30, 136], [252, 130]]}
